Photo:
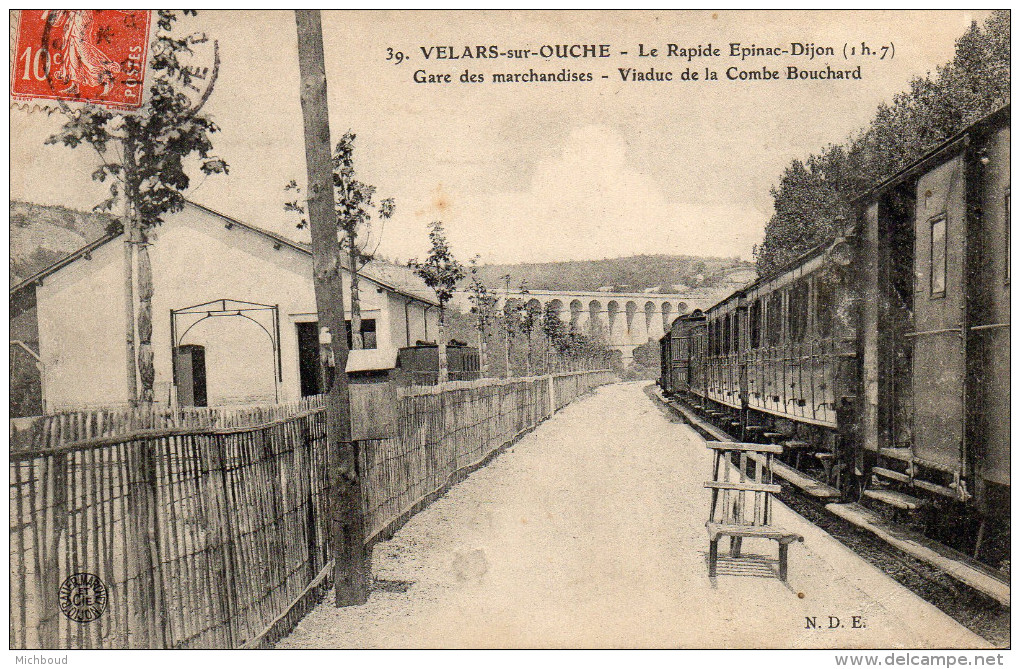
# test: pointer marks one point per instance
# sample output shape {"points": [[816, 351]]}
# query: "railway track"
{"points": [[964, 590]]}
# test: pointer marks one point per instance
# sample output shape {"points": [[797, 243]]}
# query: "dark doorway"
{"points": [[896, 294], [190, 369], [308, 358]]}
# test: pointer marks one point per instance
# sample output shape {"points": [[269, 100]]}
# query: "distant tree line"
{"points": [[628, 274], [812, 194]]}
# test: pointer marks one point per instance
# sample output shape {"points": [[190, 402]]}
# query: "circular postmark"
{"points": [[83, 597]]}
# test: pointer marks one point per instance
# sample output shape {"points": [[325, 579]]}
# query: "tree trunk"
{"points": [[483, 353], [146, 368], [357, 341], [444, 374], [352, 567], [507, 352], [527, 354], [129, 287]]}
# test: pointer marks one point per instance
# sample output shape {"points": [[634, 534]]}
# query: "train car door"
{"points": [[939, 360]]}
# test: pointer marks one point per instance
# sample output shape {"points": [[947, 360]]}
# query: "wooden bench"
{"points": [[742, 507]]}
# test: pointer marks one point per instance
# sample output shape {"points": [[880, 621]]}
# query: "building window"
{"points": [[368, 335], [938, 256]]}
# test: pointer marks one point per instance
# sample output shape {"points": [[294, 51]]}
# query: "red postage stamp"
{"points": [[81, 55]]}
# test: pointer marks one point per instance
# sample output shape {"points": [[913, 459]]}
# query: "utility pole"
{"points": [[352, 564]]}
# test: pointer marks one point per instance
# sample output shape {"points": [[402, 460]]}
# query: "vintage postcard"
{"points": [[511, 329]]}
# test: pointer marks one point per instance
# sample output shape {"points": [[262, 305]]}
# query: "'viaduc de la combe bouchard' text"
{"points": [[807, 51]]}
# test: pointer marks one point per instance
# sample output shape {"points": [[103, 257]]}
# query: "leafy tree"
{"points": [[441, 272], [142, 155], [552, 327], [531, 316], [521, 318], [812, 194], [355, 207], [483, 306]]}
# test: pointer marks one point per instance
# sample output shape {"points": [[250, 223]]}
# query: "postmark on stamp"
{"points": [[83, 597], [80, 55]]}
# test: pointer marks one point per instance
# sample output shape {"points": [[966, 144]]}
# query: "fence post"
{"points": [[49, 580], [552, 394], [153, 547]]}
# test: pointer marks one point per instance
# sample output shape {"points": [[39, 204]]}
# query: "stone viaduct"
{"points": [[624, 320]]}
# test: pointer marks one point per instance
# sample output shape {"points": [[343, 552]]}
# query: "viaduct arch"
{"points": [[623, 320]]}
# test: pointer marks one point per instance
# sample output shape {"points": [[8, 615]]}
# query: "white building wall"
{"points": [[196, 258], [410, 321], [81, 331]]}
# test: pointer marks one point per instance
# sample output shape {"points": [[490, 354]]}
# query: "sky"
{"points": [[529, 172]]}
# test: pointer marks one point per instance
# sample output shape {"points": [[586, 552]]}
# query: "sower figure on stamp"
{"points": [[80, 61]]}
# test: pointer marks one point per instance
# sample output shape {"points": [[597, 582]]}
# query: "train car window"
{"points": [[938, 256], [797, 311], [792, 309], [825, 298], [774, 316], [754, 318], [726, 335], [736, 331]]}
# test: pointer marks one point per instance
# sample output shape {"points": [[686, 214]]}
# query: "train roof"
{"points": [[939, 154]]}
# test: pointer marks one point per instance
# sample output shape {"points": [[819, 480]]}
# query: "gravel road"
{"points": [[589, 533]]}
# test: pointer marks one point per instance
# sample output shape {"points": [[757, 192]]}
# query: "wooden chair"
{"points": [[733, 493]]}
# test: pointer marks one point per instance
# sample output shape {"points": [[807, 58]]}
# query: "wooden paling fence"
{"points": [[205, 525]]}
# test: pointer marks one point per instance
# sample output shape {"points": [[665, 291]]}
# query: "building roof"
{"points": [[396, 279]]}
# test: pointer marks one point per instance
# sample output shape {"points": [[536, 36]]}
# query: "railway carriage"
{"points": [[681, 355], [883, 355], [723, 359], [934, 346]]}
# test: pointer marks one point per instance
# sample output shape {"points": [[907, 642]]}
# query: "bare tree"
{"points": [[483, 306]]}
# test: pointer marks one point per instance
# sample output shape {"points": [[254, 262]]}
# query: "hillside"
{"points": [[633, 274], [43, 234]]}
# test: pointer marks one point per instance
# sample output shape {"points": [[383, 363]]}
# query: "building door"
{"points": [[939, 359], [191, 377], [308, 359]]}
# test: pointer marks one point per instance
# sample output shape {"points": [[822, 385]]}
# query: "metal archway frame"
{"points": [[223, 308]]}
